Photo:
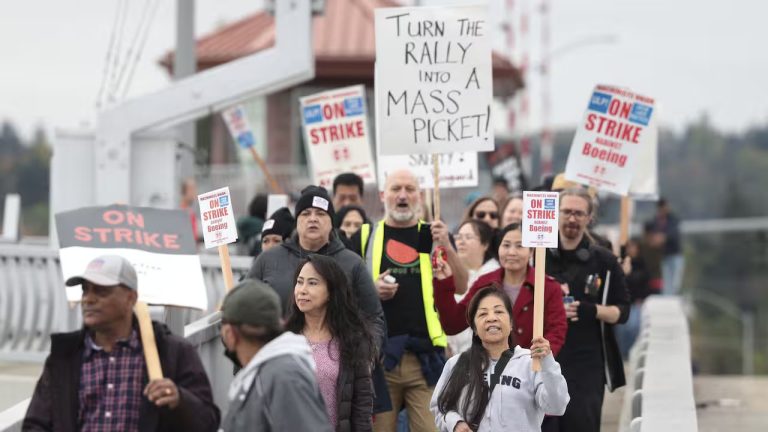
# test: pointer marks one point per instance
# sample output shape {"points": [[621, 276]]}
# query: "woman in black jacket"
{"points": [[324, 310]]}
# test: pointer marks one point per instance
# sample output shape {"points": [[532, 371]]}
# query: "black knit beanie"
{"points": [[281, 223], [317, 197]]}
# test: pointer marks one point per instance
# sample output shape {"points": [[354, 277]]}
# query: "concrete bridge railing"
{"points": [[33, 303]]}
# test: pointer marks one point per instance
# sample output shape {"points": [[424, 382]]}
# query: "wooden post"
{"points": [[151, 357], [273, 185], [436, 190], [538, 300], [626, 203], [226, 267]]}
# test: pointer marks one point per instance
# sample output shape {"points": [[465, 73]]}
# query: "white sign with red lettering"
{"points": [[541, 212], [434, 87], [614, 134], [219, 226], [456, 169], [336, 134]]}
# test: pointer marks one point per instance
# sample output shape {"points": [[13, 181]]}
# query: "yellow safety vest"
{"points": [[436, 333]]}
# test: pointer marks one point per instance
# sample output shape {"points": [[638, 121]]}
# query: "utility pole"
{"points": [[184, 65]]}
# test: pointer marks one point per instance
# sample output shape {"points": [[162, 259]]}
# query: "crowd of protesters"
{"points": [[349, 324]]}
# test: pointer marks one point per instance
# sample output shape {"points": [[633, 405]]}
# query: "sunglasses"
{"points": [[482, 214]]}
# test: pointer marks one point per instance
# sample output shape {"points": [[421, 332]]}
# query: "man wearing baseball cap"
{"points": [[276, 388], [95, 379]]}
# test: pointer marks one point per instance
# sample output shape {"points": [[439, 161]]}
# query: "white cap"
{"points": [[107, 270]]}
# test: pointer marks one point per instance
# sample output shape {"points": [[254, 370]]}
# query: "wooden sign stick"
{"points": [[226, 267], [538, 300], [151, 357], [436, 190], [273, 185], [626, 203]]}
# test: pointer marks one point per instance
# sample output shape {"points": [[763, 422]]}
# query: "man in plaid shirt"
{"points": [[95, 379]]}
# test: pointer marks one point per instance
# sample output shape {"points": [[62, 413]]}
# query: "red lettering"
{"points": [[334, 134], [150, 239], [123, 234], [590, 122], [113, 217], [313, 138], [135, 219], [102, 232], [83, 234], [170, 241]]}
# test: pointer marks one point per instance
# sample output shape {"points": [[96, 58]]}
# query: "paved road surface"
{"points": [[17, 381], [731, 403]]}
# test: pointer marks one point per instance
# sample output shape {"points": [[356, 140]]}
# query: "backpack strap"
{"points": [[500, 365]]}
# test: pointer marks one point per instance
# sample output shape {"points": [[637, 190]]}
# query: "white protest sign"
{"points": [[433, 87], [237, 123], [645, 181], [541, 211], [611, 138], [219, 227], [456, 169], [336, 134], [160, 244], [276, 201]]}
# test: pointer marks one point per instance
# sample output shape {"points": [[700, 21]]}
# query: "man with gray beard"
{"points": [[397, 251]]}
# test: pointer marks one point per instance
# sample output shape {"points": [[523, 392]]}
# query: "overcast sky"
{"points": [[694, 56]]}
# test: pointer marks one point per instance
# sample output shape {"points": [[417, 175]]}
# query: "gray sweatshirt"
{"points": [[518, 402], [277, 391]]}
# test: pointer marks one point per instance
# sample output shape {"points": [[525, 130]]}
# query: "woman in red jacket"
{"points": [[516, 278]]}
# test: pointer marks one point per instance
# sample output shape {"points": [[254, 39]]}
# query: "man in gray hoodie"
{"points": [[276, 389], [314, 234]]}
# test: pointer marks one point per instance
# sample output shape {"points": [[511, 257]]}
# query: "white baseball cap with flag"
{"points": [[107, 270]]}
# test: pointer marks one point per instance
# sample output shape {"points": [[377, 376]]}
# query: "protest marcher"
{"points": [[315, 234], [673, 265], [343, 344], [484, 209], [96, 378], [518, 397], [474, 245], [347, 190], [516, 279], [249, 227], [512, 210], [188, 203], [349, 219], [639, 286], [398, 256], [593, 277], [276, 389], [559, 184], [277, 228], [500, 191]]}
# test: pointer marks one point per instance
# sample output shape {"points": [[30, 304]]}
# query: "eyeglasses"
{"points": [[482, 214], [578, 214]]}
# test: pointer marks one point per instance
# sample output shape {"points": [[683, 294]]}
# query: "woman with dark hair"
{"points": [[484, 209], [474, 246], [491, 386], [325, 311], [516, 278], [512, 210], [349, 219]]}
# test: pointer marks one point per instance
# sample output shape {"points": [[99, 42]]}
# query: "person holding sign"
{"points": [[516, 278], [518, 397], [595, 281], [96, 378]]}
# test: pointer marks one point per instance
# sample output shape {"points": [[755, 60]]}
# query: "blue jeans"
{"points": [[672, 268], [626, 333]]}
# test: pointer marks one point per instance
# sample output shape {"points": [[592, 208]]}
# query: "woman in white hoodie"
{"points": [[472, 395]]}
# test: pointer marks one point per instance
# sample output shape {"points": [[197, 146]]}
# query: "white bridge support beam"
{"points": [[288, 63]]}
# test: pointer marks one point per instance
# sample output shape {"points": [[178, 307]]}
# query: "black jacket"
{"points": [[54, 404], [574, 267], [354, 391]]}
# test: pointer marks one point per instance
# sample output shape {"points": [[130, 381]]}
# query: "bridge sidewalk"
{"points": [[17, 381], [731, 403]]}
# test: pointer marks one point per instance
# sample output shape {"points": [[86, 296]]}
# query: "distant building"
{"points": [[344, 53]]}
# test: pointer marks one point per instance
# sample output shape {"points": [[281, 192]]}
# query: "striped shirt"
{"points": [[110, 392]]}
